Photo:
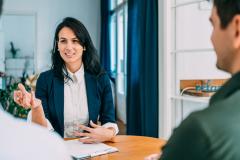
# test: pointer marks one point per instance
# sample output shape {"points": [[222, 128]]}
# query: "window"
{"points": [[118, 42]]}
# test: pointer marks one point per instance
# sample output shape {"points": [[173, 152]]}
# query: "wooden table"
{"points": [[132, 148]]}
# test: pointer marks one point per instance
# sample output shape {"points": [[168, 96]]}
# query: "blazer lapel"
{"points": [[91, 89], [59, 100]]}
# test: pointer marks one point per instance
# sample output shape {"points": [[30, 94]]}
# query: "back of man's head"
{"points": [[226, 10]]}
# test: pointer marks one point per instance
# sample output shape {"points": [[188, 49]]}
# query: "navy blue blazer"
{"points": [[50, 89]]}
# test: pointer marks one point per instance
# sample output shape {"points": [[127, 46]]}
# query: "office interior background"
{"points": [[148, 47]]}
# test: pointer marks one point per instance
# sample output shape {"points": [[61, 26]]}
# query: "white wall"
{"points": [[21, 34], [160, 66], [49, 14], [188, 54], [23, 37], [193, 32]]}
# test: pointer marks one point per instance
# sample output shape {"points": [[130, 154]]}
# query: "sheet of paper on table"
{"points": [[78, 150]]}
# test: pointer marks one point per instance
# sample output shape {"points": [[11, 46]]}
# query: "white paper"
{"points": [[78, 150]]}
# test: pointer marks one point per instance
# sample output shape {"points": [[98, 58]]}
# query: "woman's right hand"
{"points": [[25, 99], [28, 100]]}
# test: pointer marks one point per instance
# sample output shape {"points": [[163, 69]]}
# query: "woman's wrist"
{"points": [[38, 115], [37, 105], [113, 132]]}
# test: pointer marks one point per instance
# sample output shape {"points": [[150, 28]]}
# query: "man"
{"points": [[18, 140], [29, 142], [214, 133]]}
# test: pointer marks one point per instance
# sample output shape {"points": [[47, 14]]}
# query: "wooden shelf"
{"points": [[195, 82], [191, 98], [188, 3], [193, 92]]}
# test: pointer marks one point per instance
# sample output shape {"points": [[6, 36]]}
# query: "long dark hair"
{"points": [[90, 58]]}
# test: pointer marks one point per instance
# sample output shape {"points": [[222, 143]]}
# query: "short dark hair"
{"points": [[226, 10], [90, 57]]}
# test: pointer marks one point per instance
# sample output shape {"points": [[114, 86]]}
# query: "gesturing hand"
{"points": [[25, 99], [95, 134]]}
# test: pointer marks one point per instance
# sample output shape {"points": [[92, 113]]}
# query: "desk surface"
{"points": [[132, 148]]}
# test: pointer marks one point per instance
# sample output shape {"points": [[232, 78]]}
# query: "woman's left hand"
{"points": [[95, 134]]}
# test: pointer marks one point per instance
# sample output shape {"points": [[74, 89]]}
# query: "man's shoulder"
{"points": [[221, 116], [29, 141], [188, 141], [229, 105]]}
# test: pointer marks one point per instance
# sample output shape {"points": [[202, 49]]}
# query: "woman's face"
{"points": [[69, 47]]}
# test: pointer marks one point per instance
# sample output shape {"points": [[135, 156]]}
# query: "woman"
{"points": [[75, 93]]}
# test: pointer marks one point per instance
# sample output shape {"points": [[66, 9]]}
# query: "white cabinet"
{"points": [[16, 66], [188, 54], [19, 38]]}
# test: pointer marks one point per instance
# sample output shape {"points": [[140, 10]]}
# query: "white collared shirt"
{"points": [[76, 105]]}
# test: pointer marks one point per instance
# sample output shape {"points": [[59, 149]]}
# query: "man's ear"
{"points": [[236, 28]]}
